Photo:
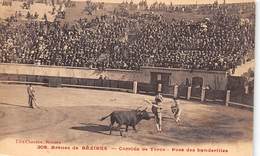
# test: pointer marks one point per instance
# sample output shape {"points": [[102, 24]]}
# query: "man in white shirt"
{"points": [[156, 109], [176, 110]]}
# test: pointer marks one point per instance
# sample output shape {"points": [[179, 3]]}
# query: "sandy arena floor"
{"points": [[72, 116]]}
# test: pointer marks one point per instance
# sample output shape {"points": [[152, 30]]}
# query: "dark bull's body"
{"points": [[128, 118]]}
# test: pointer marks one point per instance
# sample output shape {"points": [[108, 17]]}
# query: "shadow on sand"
{"points": [[94, 128], [9, 104]]}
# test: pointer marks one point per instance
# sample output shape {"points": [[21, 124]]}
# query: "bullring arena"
{"points": [[71, 115], [87, 59]]}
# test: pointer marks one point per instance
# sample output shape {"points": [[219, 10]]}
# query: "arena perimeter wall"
{"points": [[216, 79]]}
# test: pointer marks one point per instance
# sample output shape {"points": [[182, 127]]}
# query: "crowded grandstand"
{"points": [[131, 36]]}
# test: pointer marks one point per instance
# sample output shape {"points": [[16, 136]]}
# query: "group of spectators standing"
{"points": [[128, 42], [198, 8]]}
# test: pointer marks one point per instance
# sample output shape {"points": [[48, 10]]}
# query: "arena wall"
{"points": [[215, 79], [55, 71]]}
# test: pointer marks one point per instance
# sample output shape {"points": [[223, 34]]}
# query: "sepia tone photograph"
{"points": [[127, 77]]}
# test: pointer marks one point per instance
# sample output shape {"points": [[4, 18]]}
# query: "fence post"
{"points": [[135, 87], [246, 89], [227, 97], [203, 93], [159, 89], [175, 91], [189, 93]]}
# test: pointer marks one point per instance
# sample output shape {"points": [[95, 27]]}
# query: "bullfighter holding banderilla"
{"points": [[156, 109], [176, 110]]}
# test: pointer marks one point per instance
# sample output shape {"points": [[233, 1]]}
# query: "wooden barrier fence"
{"points": [[185, 92]]}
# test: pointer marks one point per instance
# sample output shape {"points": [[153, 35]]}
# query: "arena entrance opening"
{"points": [[197, 83], [162, 78]]}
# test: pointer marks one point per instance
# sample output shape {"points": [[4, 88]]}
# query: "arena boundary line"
{"points": [[242, 105], [67, 85], [230, 103], [97, 88], [22, 82]]}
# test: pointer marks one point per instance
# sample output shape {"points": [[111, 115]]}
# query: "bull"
{"points": [[128, 118]]}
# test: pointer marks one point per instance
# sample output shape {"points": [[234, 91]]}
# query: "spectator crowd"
{"points": [[220, 42]]}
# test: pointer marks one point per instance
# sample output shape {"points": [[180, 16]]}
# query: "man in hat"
{"points": [[31, 96]]}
